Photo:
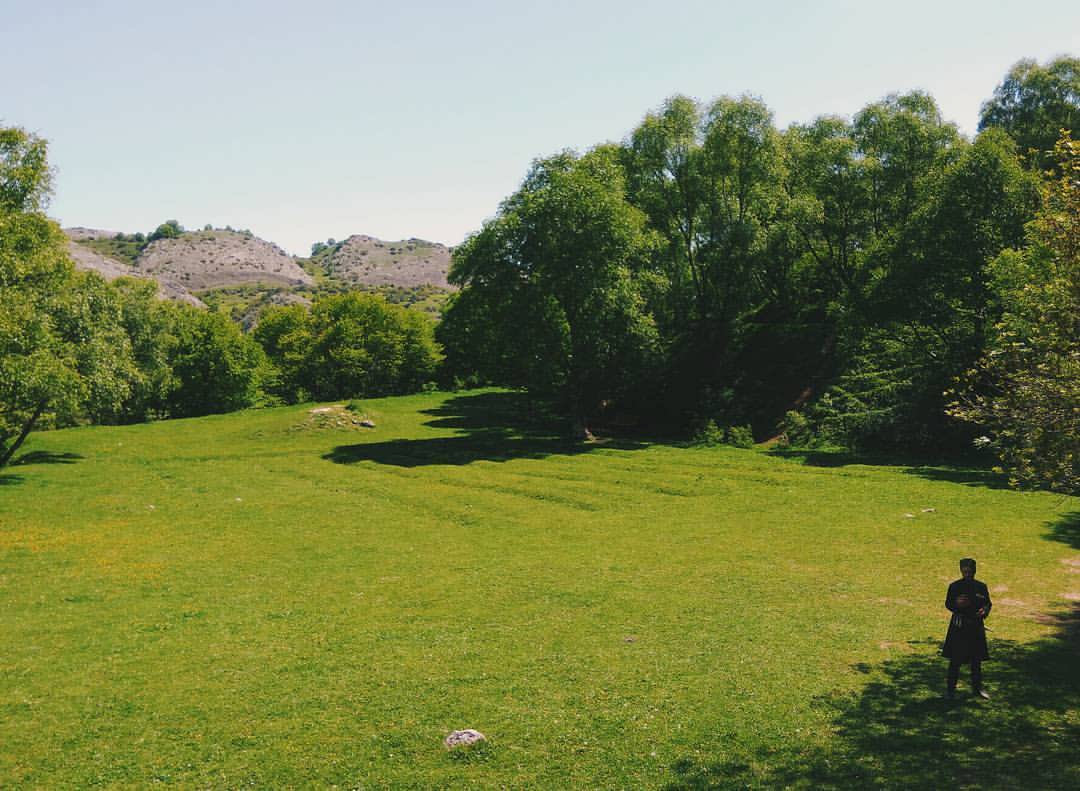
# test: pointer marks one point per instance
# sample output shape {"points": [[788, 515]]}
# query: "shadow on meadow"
{"points": [[493, 426], [967, 475], [46, 457], [36, 457], [1067, 530], [899, 733]]}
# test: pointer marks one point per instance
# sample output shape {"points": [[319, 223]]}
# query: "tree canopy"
{"points": [[1034, 103], [711, 268], [1025, 390], [566, 263]]}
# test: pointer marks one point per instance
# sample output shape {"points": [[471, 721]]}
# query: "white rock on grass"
{"points": [[463, 738]]}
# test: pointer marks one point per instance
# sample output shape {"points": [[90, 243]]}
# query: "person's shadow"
{"points": [[498, 426], [899, 733]]}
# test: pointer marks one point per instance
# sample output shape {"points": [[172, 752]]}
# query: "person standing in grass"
{"points": [[968, 600]]}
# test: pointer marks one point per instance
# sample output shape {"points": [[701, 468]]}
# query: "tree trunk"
{"points": [[26, 429]]}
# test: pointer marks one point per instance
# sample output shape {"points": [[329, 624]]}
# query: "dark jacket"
{"points": [[966, 638]]}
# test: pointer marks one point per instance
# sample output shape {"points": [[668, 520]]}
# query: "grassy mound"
{"points": [[265, 599]]}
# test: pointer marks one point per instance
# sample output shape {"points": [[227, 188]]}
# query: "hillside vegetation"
{"points": [[367, 261], [285, 598], [241, 275]]}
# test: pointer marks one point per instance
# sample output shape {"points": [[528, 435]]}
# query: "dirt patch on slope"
{"points": [[212, 259], [110, 269], [365, 260]]}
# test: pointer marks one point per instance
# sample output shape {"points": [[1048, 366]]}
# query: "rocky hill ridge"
{"points": [[366, 260], [111, 268], [210, 259], [198, 261]]}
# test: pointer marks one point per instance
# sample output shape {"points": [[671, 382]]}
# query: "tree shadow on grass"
{"points": [[46, 457], [1067, 530], [899, 733], [963, 473], [493, 426], [503, 410], [10, 480]]}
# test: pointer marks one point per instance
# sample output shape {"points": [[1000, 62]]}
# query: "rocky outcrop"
{"points": [[110, 269], [365, 260], [211, 259]]}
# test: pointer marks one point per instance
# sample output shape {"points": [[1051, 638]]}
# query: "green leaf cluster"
{"points": [[347, 345], [1025, 390]]}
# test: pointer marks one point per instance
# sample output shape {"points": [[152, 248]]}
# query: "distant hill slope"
{"points": [[367, 261], [210, 259], [110, 268], [196, 263]]}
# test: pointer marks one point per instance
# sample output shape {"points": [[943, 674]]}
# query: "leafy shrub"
{"points": [[797, 431], [709, 434], [739, 436], [170, 229], [712, 434]]}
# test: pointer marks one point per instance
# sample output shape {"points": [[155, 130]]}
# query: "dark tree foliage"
{"points": [[555, 287], [1025, 390], [170, 229], [1034, 104], [839, 268], [215, 367], [63, 354], [923, 320], [710, 270], [347, 345]]}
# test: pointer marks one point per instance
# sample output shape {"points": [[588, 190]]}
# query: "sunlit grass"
{"points": [[251, 600]]}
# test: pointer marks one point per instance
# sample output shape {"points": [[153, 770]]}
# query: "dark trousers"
{"points": [[976, 674]]}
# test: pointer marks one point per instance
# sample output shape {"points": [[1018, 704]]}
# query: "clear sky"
{"points": [[310, 119]]}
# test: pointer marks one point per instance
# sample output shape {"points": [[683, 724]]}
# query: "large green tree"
{"points": [[284, 332], [347, 345], [565, 266], [1025, 391], [922, 316], [62, 350], [149, 324], [1034, 104], [215, 367], [710, 181]]}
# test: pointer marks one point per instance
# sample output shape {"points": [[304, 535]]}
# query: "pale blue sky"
{"points": [[315, 119]]}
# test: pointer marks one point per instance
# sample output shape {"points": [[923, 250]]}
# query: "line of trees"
{"points": [[876, 282], [844, 273], [76, 349]]}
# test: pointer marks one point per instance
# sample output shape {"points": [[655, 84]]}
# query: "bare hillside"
{"points": [[80, 234], [365, 260], [210, 259], [110, 269]]}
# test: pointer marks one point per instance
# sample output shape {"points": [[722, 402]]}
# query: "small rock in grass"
{"points": [[366, 423], [463, 738], [929, 510], [909, 516]]}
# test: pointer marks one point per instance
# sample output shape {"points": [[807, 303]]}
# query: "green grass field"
{"points": [[269, 599]]}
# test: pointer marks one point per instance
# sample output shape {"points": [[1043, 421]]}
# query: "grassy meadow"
{"points": [[282, 599]]}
